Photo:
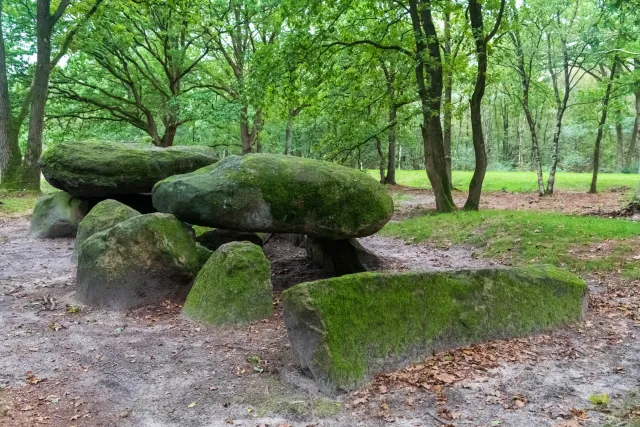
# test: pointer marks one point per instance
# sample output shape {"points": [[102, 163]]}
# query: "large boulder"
{"points": [[103, 168], [57, 215], [345, 330], [215, 238], [234, 286], [101, 217], [278, 194], [143, 260]]}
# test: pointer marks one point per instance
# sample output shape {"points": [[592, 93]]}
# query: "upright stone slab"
{"points": [[346, 330], [99, 169], [278, 194], [57, 215], [143, 260], [234, 286], [101, 217]]}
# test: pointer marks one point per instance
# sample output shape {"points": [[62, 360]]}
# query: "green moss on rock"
{"points": [[345, 330], [282, 194], [143, 260], [104, 168], [234, 286], [57, 215], [103, 216]]}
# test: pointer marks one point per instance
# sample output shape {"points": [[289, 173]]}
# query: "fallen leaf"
{"points": [[192, 404]]}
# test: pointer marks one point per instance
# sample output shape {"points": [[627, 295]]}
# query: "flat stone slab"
{"points": [[100, 169], [346, 330], [278, 194]]}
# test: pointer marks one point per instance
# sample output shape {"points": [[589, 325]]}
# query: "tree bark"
{"points": [[525, 82], [603, 120], [448, 94], [631, 149], [10, 157], [428, 61], [391, 167], [475, 104], [619, 147], [31, 170], [381, 156]]}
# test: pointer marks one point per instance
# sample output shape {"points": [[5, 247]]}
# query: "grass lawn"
{"points": [[21, 203], [580, 243], [520, 182]]}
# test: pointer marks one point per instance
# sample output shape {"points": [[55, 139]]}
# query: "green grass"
{"points": [[527, 237], [519, 182], [17, 204]]}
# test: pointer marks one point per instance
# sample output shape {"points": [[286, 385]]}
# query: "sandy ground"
{"points": [[150, 367]]}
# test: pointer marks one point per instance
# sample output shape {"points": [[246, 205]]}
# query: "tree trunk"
{"points": [[288, 133], [631, 150], [619, 147], [475, 104], [245, 135], [506, 151], [603, 120], [448, 93], [391, 167], [31, 170], [381, 156], [428, 47], [10, 157]]}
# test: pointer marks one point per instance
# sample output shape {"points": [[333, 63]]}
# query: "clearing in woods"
{"points": [[64, 364]]}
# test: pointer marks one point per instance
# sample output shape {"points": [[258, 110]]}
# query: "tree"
{"points": [[138, 66], [23, 173], [481, 39]]}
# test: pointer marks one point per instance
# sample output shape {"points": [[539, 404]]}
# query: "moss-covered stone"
{"points": [[143, 260], [57, 215], [280, 194], [347, 329], [103, 168], [234, 286], [101, 217], [203, 254]]}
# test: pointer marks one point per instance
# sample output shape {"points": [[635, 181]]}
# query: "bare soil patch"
{"points": [[150, 367], [412, 200]]}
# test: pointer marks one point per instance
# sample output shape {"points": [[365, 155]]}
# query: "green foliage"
{"points": [[600, 399]]}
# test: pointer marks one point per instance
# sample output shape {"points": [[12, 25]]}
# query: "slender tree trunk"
{"points": [[448, 94], [619, 147], [603, 120], [245, 134], [288, 133], [631, 150], [381, 156], [391, 168], [429, 61], [506, 151], [475, 104]]}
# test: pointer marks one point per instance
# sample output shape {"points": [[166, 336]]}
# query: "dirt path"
{"points": [[150, 367]]}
